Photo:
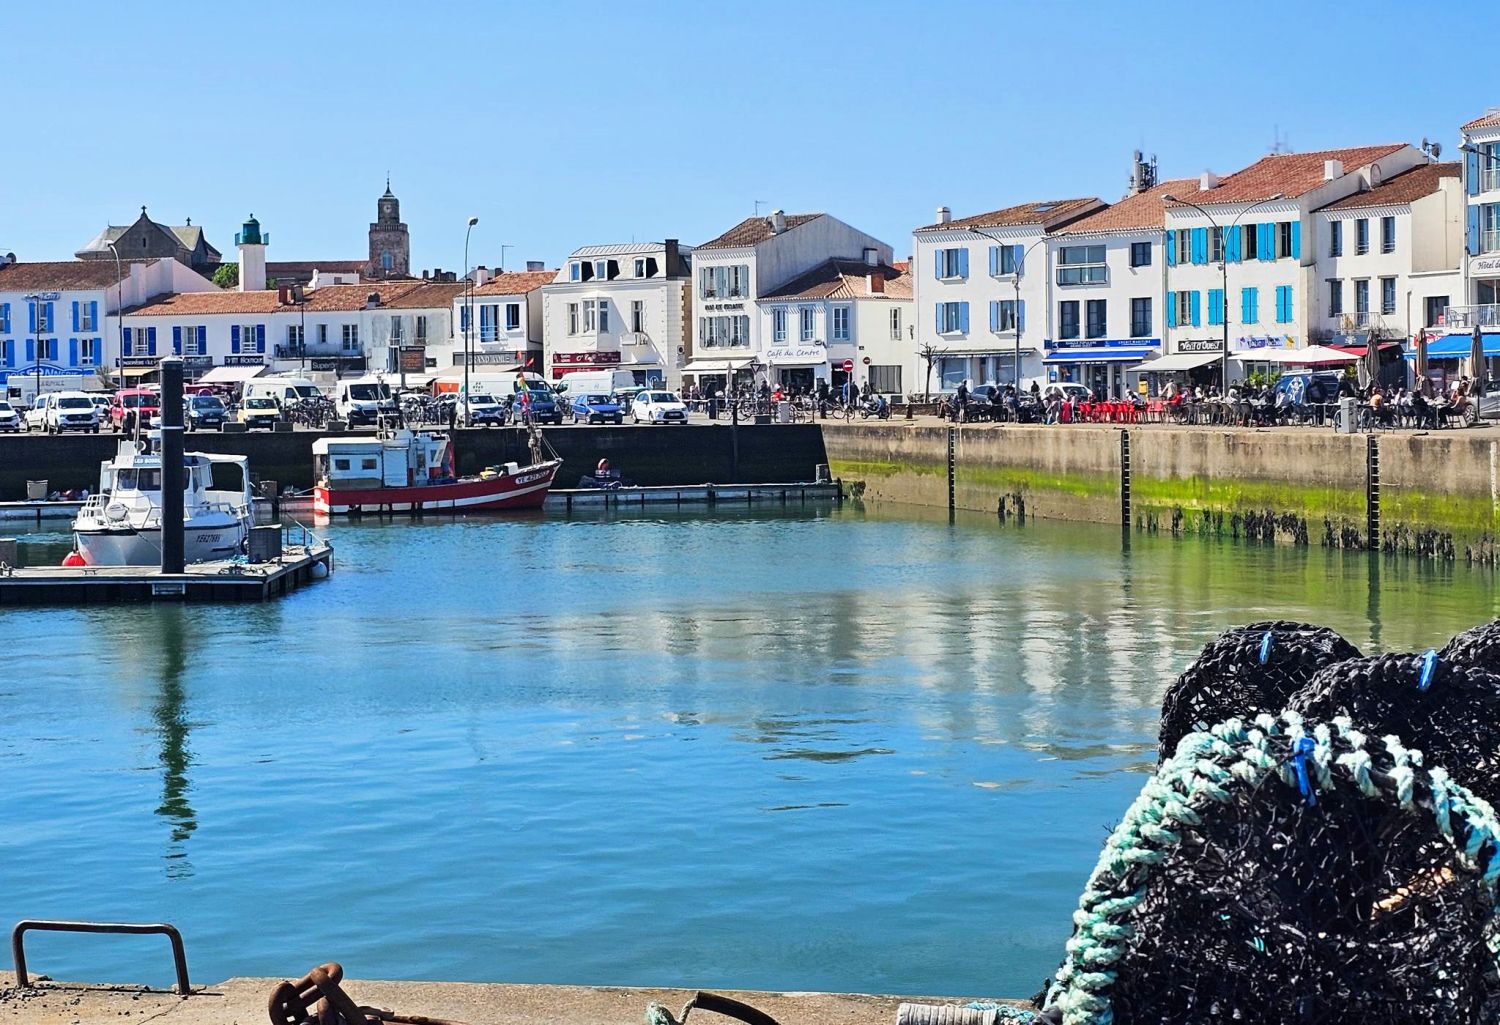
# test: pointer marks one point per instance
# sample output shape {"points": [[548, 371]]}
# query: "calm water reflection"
{"points": [[849, 751]]}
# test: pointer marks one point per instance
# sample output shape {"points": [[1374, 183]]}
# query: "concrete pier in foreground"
{"points": [[242, 1001]]}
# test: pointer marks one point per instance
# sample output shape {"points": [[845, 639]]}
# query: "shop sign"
{"points": [[1201, 345], [796, 353], [1484, 265], [244, 361], [138, 361], [585, 359], [413, 359], [197, 362], [335, 364], [1248, 342], [492, 359]]}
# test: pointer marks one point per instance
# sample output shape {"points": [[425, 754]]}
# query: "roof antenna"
{"points": [[503, 247], [1278, 144], [758, 204]]}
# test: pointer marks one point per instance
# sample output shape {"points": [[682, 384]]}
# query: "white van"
{"points": [[598, 382], [363, 400], [287, 391]]}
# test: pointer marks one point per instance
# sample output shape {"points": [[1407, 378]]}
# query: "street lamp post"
{"points": [[1224, 271], [1016, 308], [468, 309]]}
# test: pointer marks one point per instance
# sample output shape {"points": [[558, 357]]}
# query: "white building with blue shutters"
{"points": [[975, 279], [59, 324], [1481, 186], [1255, 233]]}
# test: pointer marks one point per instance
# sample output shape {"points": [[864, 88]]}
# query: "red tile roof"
{"points": [[426, 295], [1043, 212], [306, 267], [515, 283], [844, 279], [1489, 120], [62, 275], [328, 299], [1290, 174], [753, 231], [1402, 189], [1141, 212]]}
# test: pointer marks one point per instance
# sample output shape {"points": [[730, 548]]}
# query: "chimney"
{"points": [[875, 281], [1333, 170], [944, 215], [1208, 181], [778, 222], [482, 275], [671, 257], [282, 295], [372, 301], [535, 266]]}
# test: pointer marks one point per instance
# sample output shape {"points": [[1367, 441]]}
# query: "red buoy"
{"points": [[73, 559]]}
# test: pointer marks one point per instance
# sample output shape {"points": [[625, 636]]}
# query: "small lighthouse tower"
{"points": [[252, 245]]}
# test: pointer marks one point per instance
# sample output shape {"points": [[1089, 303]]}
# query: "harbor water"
{"points": [[840, 750]]}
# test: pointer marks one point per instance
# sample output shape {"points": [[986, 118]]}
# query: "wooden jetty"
{"points": [[297, 566]]}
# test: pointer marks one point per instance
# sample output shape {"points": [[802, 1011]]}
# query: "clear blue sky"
{"points": [[565, 124]]}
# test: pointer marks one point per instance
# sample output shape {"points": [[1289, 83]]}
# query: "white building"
{"points": [[1390, 257], [55, 316], [1257, 228], [843, 313], [1481, 185], [499, 318], [1106, 288], [752, 259], [620, 307], [975, 279]]}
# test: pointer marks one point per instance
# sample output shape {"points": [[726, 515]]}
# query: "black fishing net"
{"points": [[1246, 671], [1448, 711], [1478, 647], [1293, 888]]}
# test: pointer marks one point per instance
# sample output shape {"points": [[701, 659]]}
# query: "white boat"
{"points": [[121, 525]]}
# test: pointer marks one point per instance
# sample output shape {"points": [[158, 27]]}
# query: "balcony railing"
{"points": [[1489, 179], [1467, 317]]}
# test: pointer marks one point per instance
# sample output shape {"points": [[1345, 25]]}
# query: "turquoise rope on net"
{"points": [[1207, 769]]}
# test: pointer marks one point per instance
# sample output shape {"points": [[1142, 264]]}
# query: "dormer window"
{"points": [[640, 267]]}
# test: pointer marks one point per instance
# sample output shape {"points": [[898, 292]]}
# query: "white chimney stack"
{"points": [[1333, 170], [778, 222], [1208, 181], [944, 215], [482, 275]]}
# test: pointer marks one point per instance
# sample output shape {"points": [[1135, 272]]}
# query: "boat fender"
{"points": [[319, 570], [73, 559]]}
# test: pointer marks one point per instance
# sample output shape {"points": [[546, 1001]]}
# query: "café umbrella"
{"points": [[1476, 360], [1420, 363], [1369, 363]]}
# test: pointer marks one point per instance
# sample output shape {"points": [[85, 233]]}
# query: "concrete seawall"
{"points": [[694, 454], [1434, 495]]}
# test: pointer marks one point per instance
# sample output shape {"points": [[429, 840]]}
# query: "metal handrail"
{"points": [[18, 950]]}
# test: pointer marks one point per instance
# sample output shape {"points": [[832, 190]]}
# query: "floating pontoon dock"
{"points": [[694, 495]]}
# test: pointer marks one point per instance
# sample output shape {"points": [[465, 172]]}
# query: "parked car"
{"points": [[59, 411], [539, 400], [145, 403], [101, 403], [260, 412], [204, 412], [483, 411], [658, 407], [597, 408], [10, 420]]}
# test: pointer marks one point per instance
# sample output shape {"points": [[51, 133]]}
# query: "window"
{"points": [[87, 315], [386, 263], [512, 316], [1388, 234], [322, 335], [194, 340], [47, 349], [294, 336], [778, 323], [252, 338], [724, 332], [1489, 225], [638, 317], [1140, 318], [724, 282], [590, 316], [886, 380], [1436, 307], [1003, 315], [603, 315], [1140, 254], [1216, 306], [953, 318], [367, 464], [1216, 245], [1081, 265], [1067, 319], [1003, 260], [396, 330], [341, 464], [1362, 296], [572, 318], [1283, 304], [841, 323], [601, 270], [88, 351], [422, 330], [896, 324], [575, 271], [1097, 319], [1184, 308], [1335, 297], [1248, 247], [1184, 247], [640, 267], [953, 263], [43, 317], [350, 340], [805, 316], [1335, 238], [1361, 236], [1283, 239], [1387, 296]]}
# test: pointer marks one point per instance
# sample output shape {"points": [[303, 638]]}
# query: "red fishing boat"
{"points": [[401, 470]]}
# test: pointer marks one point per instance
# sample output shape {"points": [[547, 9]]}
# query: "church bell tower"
{"points": [[390, 245]]}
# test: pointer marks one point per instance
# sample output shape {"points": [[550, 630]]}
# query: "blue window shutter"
{"points": [[995, 306], [51, 318], [234, 338], [1297, 239], [1019, 254], [994, 260], [5, 318], [963, 317], [150, 341], [1171, 308], [202, 338], [1231, 245], [1202, 243], [1473, 173], [176, 340], [1195, 307], [963, 262], [72, 352], [1020, 310], [94, 314], [1473, 236], [31, 315], [75, 316], [260, 338], [126, 341], [1172, 248], [939, 309], [30, 350], [938, 259]]}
